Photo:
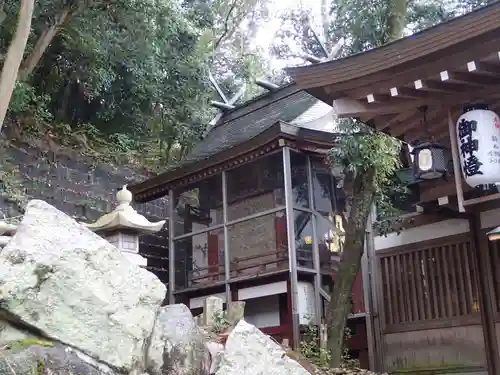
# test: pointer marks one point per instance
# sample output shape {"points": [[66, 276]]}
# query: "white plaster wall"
{"points": [[306, 305], [490, 218], [319, 117], [262, 290], [263, 312], [198, 302], [426, 232]]}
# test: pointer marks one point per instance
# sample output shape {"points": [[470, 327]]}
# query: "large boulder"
{"points": [[216, 350], [45, 358], [250, 352], [75, 287], [9, 333], [177, 346]]}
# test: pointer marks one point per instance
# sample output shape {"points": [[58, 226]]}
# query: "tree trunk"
{"points": [[43, 42], [396, 20], [363, 192], [14, 56], [3, 15]]}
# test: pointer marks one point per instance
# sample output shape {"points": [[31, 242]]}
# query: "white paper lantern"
{"points": [[478, 139]]}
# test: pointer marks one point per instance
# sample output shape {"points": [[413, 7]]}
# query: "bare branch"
{"points": [[226, 26]]}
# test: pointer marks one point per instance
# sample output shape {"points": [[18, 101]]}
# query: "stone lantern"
{"points": [[123, 226]]}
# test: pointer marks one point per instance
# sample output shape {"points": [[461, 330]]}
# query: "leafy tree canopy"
{"points": [[130, 77]]}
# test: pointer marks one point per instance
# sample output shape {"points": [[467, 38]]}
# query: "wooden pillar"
{"points": [[290, 314], [293, 286], [315, 247], [227, 255], [171, 252], [371, 272], [484, 281]]}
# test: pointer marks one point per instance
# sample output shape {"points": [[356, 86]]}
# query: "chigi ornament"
{"points": [[478, 139]]}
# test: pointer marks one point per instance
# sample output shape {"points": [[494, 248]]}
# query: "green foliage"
{"points": [[230, 27], [364, 22], [128, 79], [40, 367], [220, 322], [311, 349], [27, 104], [361, 22], [31, 341], [11, 183], [359, 148]]}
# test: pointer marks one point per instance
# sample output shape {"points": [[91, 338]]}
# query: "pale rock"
{"points": [[216, 350], [236, 312], [250, 352], [9, 333], [75, 287], [44, 360], [177, 346]]}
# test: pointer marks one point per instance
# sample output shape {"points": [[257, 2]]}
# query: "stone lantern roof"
{"points": [[125, 218]]}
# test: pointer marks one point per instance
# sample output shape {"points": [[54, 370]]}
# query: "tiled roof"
{"points": [[247, 126]]}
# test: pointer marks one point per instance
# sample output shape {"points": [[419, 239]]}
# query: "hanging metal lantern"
{"points": [[478, 140], [430, 159]]}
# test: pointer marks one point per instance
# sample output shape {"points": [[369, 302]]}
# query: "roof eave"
{"points": [[175, 174], [396, 55], [319, 139]]}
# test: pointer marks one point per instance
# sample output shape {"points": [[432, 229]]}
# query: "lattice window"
{"points": [[430, 282]]}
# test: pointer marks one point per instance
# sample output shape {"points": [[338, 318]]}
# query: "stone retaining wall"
{"points": [[80, 187]]}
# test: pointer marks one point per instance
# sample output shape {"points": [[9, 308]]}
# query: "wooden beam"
{"points": [[405, 92], [387, 99], [412, 118], [468, 79], [457, 173], [347, 107], [431, 190], [481, 67], [448, 87], [486, 198], [450, 96], [435, 118]]}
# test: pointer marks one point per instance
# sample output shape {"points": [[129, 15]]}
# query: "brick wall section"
{"points": [[83, 189]]}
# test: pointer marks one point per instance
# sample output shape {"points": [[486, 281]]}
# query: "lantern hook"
{"points": [[424, 109]]}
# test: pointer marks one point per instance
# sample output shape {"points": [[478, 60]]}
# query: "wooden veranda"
{"points": [[435, 289]]}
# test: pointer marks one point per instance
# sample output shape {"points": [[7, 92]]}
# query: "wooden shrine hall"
{"points": [[434, 296], [253, 217]]}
